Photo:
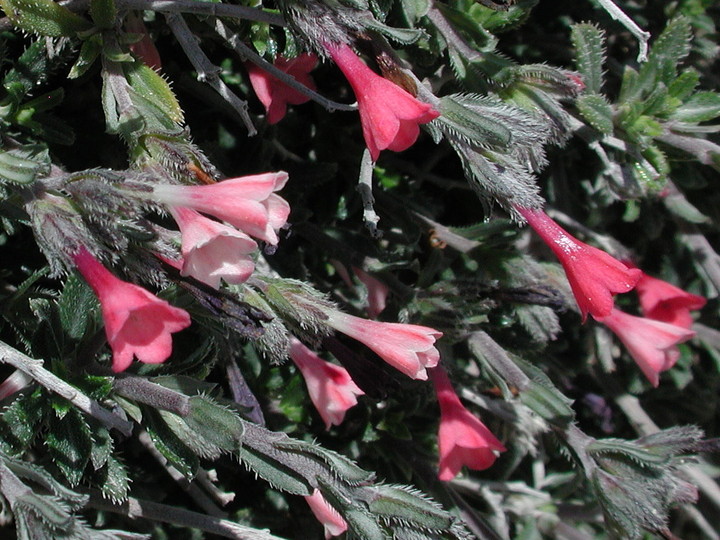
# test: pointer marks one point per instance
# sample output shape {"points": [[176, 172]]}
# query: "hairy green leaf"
{"points": [[589, 43], [43, 17]]}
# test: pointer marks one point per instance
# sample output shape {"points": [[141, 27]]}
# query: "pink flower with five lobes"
{"points": [[409, 348], [211, 250], [137, 323], [651, 343], [274, 94], [330, 518], [462, 438], [248, 203], [331, 389], [390, 116], [665, 302], [594, 275]]}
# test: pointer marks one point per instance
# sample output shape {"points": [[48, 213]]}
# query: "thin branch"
{"points": [[35, 369], [139, 508], [206, 71], [204, 8], [641, 35], [150, 393], [365, 189], [246, 53]]}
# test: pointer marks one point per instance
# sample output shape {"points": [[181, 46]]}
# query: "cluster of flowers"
{"points": [[139, 324], [595, 277]]}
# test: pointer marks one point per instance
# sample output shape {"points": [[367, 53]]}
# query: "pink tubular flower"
{"points": [[377, 292], [462, 438], [652, 344], [332, 521], [275, 94], [408, 348], [390, 116], [212, 250], [594, 275], [665, 302], [331, 389], [137, 323], [247, 202]]}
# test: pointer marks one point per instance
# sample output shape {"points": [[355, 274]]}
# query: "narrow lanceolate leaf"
{"points": [[215, 423], [626, 449], [589, 45], [684, 85], [275, 472], [596, 110], [43, 17], [404, 36], [472, 126], [151, 86], [89, 52], [544, 398], [114, 481], [22, 165], [674, 42], [701, 107], [408, 505], [75, 306]]}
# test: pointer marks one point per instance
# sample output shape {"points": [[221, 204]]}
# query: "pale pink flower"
{"points": [[409, 348], [331, 520], [665, 302], [211, 250], [462, 438], [377, 292], [275, 94], [247, 202], [651, 343], [594, 275], [137, 323], [390, 116], [331, 389]]}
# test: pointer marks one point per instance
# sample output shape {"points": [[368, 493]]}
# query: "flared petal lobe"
{"points": [[594, 276], [665, 302], [331, 388], [651, 343], [463, 440], [390, 116], [248, 203], [213, 251], [274, 94], [409, 348], [137, 323]]}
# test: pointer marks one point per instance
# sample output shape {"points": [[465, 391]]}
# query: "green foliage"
{"points": [[222, 435]]}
